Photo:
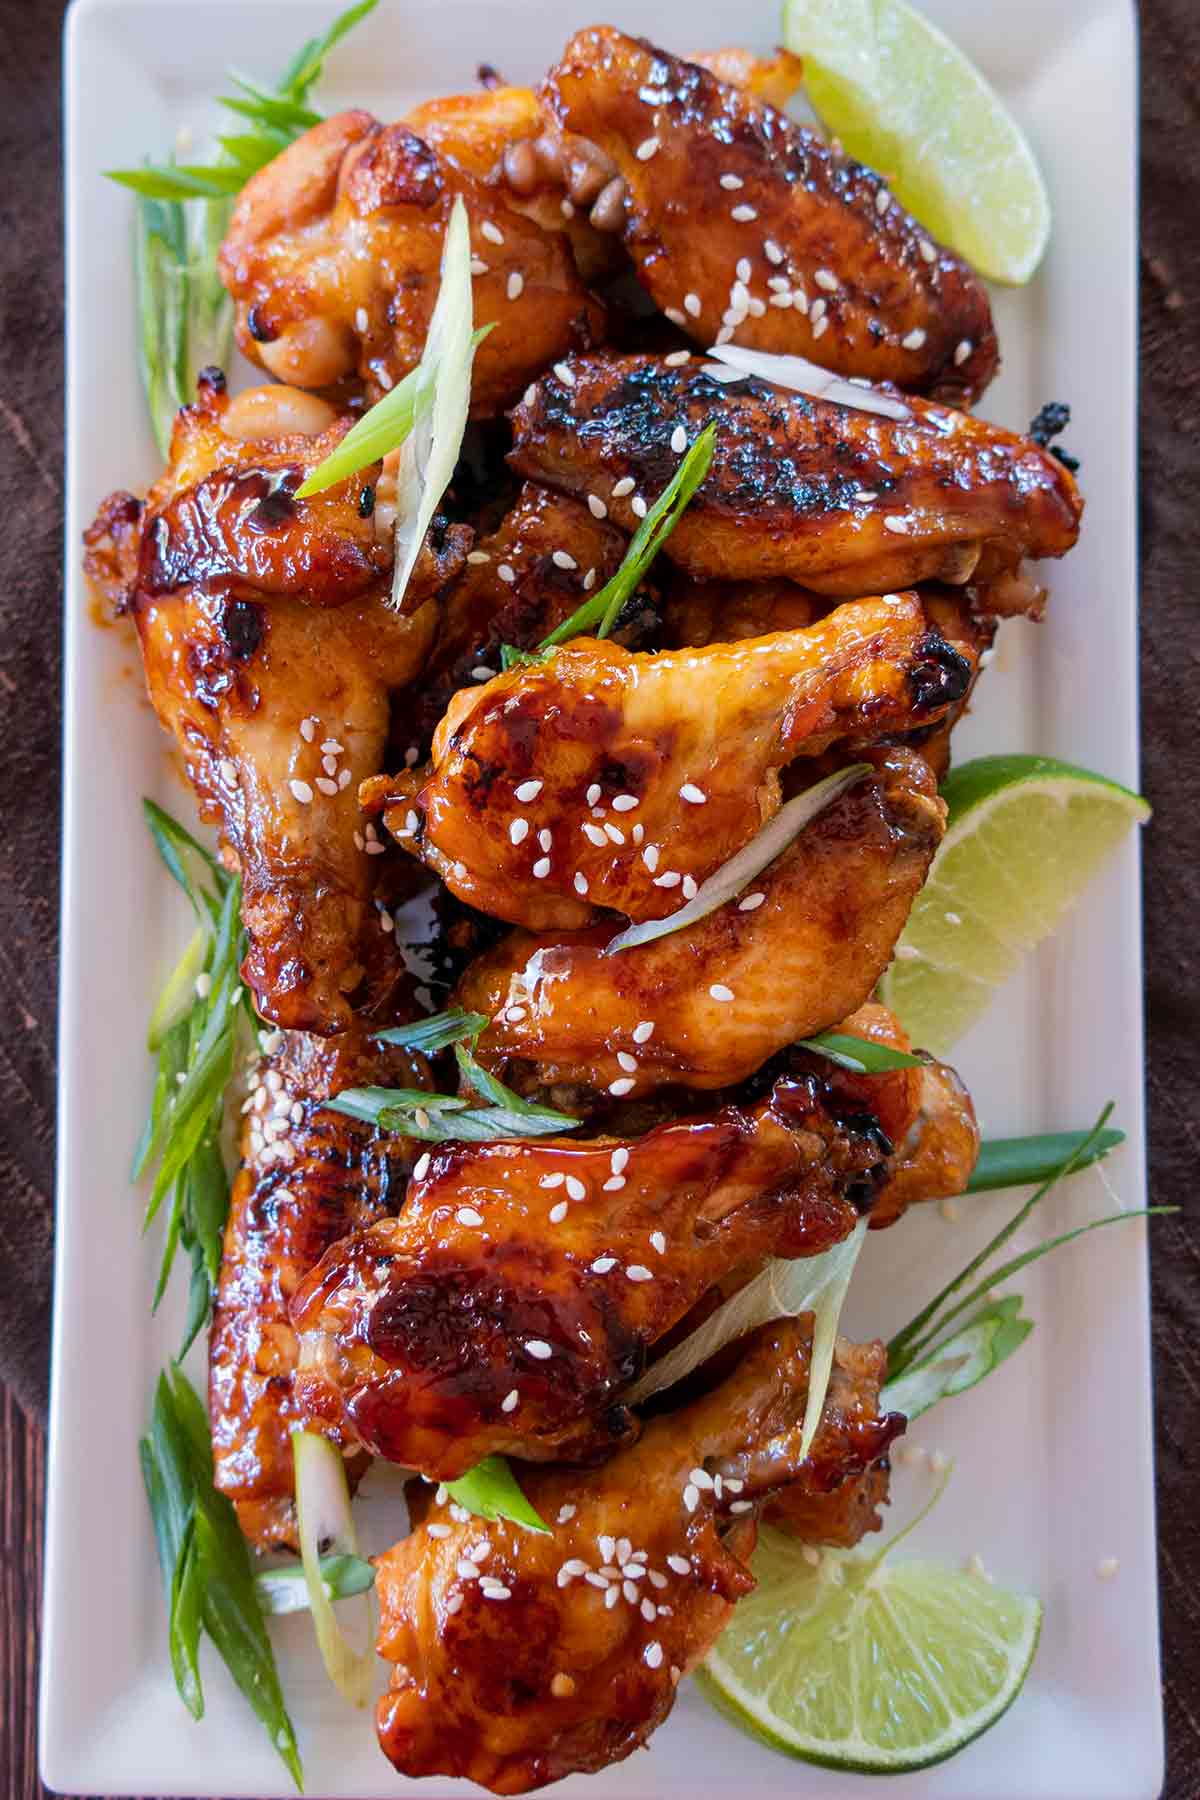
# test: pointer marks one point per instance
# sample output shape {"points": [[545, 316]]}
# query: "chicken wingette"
{"points": [[607, 778], [519, 1658], [520, 1289], [840, 500], [801, 250]]}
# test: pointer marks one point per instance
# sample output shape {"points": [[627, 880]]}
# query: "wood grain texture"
{"points": [[30, 584]]}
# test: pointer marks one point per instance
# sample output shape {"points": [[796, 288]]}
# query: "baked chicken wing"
{"points": [[605, 778], [307, 1176], [333, 256], [272, 655], [520, 1658], [801, 249], [520, 1288], [839, 500]]}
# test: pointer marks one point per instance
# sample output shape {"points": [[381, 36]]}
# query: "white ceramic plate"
{"points": [[1053, 1469]]}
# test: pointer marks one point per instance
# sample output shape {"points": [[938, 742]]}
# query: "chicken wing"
{"points": [[521, 1658], [839, 500], [333, 256], [803, 251], [518, 1292], [604, 778], [828, 911], [308, 1176], [271, 654]]}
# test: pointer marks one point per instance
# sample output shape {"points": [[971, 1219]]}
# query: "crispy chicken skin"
{"points": [[333, 256], [615, 779], [558, 1673], [307, 1176], [802, 948], [271, 655], [523, 1283], [841, 501], [869, 293]]}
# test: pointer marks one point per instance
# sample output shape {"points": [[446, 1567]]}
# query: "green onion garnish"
{"points": [[490, 1491], [861, 1056]]}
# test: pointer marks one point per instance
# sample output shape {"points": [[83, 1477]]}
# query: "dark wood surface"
{"points": [[30, 452]]}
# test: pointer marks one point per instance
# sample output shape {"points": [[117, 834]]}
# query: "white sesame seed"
{"points": [[594, 834], [545, 838], [741, 1506], [677, 358], [658, 1242], [558, 1213], [619, 1088], [690, 890], [817, 312], [614, 833], [597, 1578], [734, 1484], [562, 1578], [491, 232], [653, 1655], [643, 1031], [882, 200], [673, 313], [691, 1497], [825, 278], [541, 868], [914, 339], [649, 1611], [692, 794], [679, 440], [478, 266], [343, 780], [562, 559], [581, 883], [691, 305], [506, 573], [962, 352], [593, 793], [509, 1402], [669, 879], [731, 183], [702, 1478], [657, 1579], [497, 1592], [465, 1568], [743, 270], [597, 507], [638, 833], [646, 149], [518, 831], [565, 374], [478, 556], [751, 902], [589, 581], [438, 1531], [650, 857], [625, 486], [576, 1188], [466, 1215], [627, 1062], [516, 285], [552, 1181], [639, 1272], [927, 250], [607, 1546], [308, 729], [630, 1592], [1108, 1568], [799, 300], [614, 1184], [537, 1347], [566, 1514], [743, 215], [680, 1564], [625, 802], [719, 991], [779, 284], [900, 526], [454, 1603], [780, 300], [637, 507], [301, 792], [203, 986], [527, 791], [459, 1513]]}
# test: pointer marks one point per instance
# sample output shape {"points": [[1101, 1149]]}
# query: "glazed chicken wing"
{"points": [[612, 779], [333, 257], [802, 250], [520, 1288], [839, 500], [271, 654], [828, 911], [308, 1175], [521, 1658]]}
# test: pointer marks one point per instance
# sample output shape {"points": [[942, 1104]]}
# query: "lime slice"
{"points": [[903, 99], [1025, 836], [855, 1663]]}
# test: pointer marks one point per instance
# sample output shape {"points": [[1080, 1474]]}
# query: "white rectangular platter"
{"points": [[1053, 1457]]}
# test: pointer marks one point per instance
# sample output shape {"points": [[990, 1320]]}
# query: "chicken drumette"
{"points": [[518, 1292], [521, 1658]]}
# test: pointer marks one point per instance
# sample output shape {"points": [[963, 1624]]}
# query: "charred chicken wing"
{"points": [[802, 250], [521, 1286], [839, 500], [521, 1658]]}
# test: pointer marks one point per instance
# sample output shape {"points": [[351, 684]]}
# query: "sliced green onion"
{"points": [[180, 181], [974, 1351], [179, 994], [750, 861], [435, 1033], [490, 1491], [1020, 1162], [603, 608], [382, 429], [285, 1589], [439, 1118], [805, 377], [862, 1056], [324, 1518]]}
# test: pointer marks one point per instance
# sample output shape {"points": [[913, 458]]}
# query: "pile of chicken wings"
{"points": [[827, 599]]}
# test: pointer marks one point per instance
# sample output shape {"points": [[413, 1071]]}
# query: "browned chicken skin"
{"points": [[839, 500], [271, 654], [607, 778], [521, 1286], [333, 256], [521, 1658], [308, 1176], [799, 950], [867, 292]]}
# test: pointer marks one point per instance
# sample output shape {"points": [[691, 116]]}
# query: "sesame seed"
{"points": [[478, 556], [882, 200], [690, 889], [702, 1479], [516, 285], [625, 802], [527, 791], [637, 507], [593, 793], [691, 1497], [734, 1483], [900, 526], [623, 1086], [743, 215], [627, 1062], [422, 1118], [597, 507], [614, 1184], [541, 868], [576, 1188], [454, 1603], [565, 374], [658, 1242], [679, 440], [691, 793], [671, 878], [466, 1215], [817, 312], [491, 232], [677, 358], [589, 581], [646, 149], [539, 1348], [612, 1597], [343, 780], [558, 1213], [308, 729], [927, 250], [581, 883], [566, 1514], [639, 1272], [507, 573], [731, 183], [800, 300], [780, 284], [562, 1578], [962, 352], [780, 300], [825, 278], [545, 838], [625, 486], [741, 1506], [497, 1592], [680, 1564], [607, 1546], [719, 991], [552, 1181], [743, 270], [518, 831], [301, 792], [203, 986], [648, 1611], [914, 339], [643, 1031], [630, 1592], [594, 834], [751, 902], [478, 266], [597, 1578], [465, 1568], [673, 313], [691, 304], [653, 1655], [650, 857], [1108, 1568], [438, 1531], [614, 833], [562, 559]]}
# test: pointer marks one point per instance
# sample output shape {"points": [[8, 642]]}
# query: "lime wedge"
{"points": [[903, 99], [1025, 836], [856, 1663]]}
